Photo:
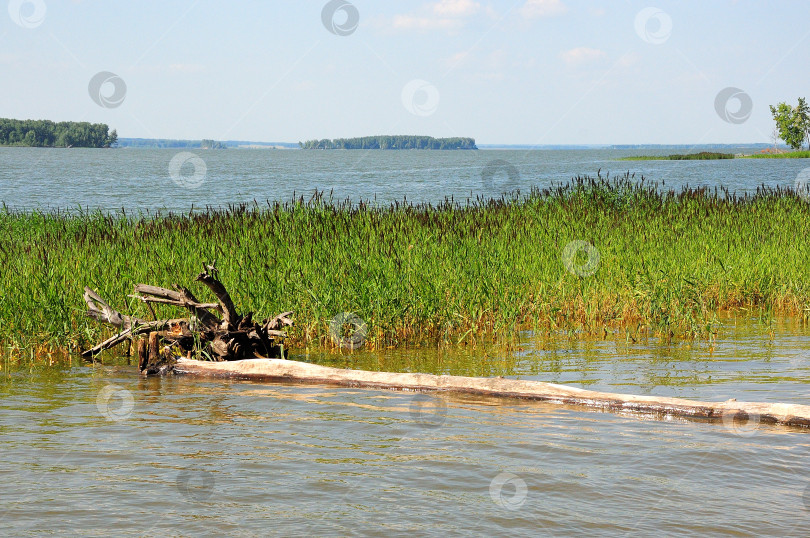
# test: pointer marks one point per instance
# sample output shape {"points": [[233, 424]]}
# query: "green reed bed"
{"points": [[421, 274], [786, 155], [702, 156]]}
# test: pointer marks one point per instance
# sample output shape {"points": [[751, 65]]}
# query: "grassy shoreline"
{"points": [[708, 156], [665, 263], [788, 155], [702, 156]]}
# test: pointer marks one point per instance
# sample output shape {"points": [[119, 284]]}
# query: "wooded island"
{"points": [[49, 134], [391, 142]]}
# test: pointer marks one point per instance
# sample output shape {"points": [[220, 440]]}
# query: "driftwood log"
{"points": [[730, 412], [227, 336]]}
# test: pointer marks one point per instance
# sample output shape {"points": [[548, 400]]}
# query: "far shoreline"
{"points": [[710, 156]]}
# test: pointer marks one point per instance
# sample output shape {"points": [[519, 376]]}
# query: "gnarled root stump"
{"points": [[224, 337]]}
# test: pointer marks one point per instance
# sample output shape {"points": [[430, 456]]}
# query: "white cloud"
{"points": [[581, 55], [442, 15], [456, 8], [534, 9], [411, 22]]}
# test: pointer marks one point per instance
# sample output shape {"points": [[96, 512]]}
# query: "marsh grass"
{"points": [[787, 155], [447, 274], [701, 156]]}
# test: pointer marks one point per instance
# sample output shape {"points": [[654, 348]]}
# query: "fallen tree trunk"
{"points": [[286, 370]]}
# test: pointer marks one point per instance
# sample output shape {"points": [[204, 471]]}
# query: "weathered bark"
{"points": [[280, 321], [143, 354], [127, 334], [233, 337], [98, 309], [158, 361], [286, 370], [209, 278], [181, 297], [154, 347]]}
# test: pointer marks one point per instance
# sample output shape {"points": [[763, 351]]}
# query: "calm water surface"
{"points": [[140, 179], [96, 450]]}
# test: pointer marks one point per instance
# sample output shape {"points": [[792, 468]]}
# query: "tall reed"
{"points": [[668, 262]]}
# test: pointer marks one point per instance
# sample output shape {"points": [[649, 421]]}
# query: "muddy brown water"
{"points": [[96, 450]]}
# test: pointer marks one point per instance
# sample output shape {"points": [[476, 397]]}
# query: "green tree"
{"points": [[793, 123], [803, 119]]}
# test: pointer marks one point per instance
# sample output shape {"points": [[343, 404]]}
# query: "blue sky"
{"points": [[517, 72]]}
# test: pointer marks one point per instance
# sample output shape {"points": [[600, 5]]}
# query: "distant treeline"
{"points": [[391, 142], [64, 134], [212, 144], [169, 143]]}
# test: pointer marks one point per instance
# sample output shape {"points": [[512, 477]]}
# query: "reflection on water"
{"points": [[749, 359], [99, 450]]}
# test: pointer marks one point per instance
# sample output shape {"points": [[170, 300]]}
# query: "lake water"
{"points": [[97, 450], [150, 179]]}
